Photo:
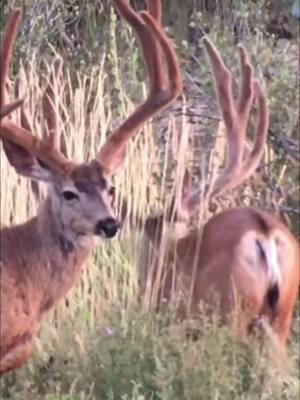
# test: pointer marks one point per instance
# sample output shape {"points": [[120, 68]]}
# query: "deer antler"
{"points": [[164, 88], [8, 42], [235, 117], [46, 150]]}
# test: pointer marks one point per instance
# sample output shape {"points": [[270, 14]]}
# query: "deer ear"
{"points": [[25, 163]]}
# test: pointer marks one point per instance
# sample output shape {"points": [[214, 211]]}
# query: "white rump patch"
{"points": [[269, 247], [251, 246]]}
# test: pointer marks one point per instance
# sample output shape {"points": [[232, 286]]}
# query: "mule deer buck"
{"points": [[42, 258], [242, 257]]}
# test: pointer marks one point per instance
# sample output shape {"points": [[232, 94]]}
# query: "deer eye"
{"points": [[112, 191], [69, 195]]}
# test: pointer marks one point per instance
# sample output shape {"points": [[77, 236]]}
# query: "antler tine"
{"points": [[246, 92], [8, 42], [223, 84], [26, 124], [50, 104], [261, 135], [152, 54], [222, 81], [174, 73], [24, 117], [163, 89]]}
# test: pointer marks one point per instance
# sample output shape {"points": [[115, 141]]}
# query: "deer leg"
{"points": [[282, 327]]}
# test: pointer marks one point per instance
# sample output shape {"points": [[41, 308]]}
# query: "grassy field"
{"points": [[101, 343]]}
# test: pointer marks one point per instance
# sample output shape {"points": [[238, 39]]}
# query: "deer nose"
{"points": [[107, 227]]}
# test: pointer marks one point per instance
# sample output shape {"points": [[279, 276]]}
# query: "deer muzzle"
{"points": [[107, 227]]}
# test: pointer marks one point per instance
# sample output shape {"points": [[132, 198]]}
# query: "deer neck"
{"points": [[49, 261], [70, 253]]}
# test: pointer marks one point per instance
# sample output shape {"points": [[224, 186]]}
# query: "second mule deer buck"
{"points": [[42, 258], [242, 257]]}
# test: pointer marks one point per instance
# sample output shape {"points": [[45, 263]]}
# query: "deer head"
{"points": [[81, 194]]}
